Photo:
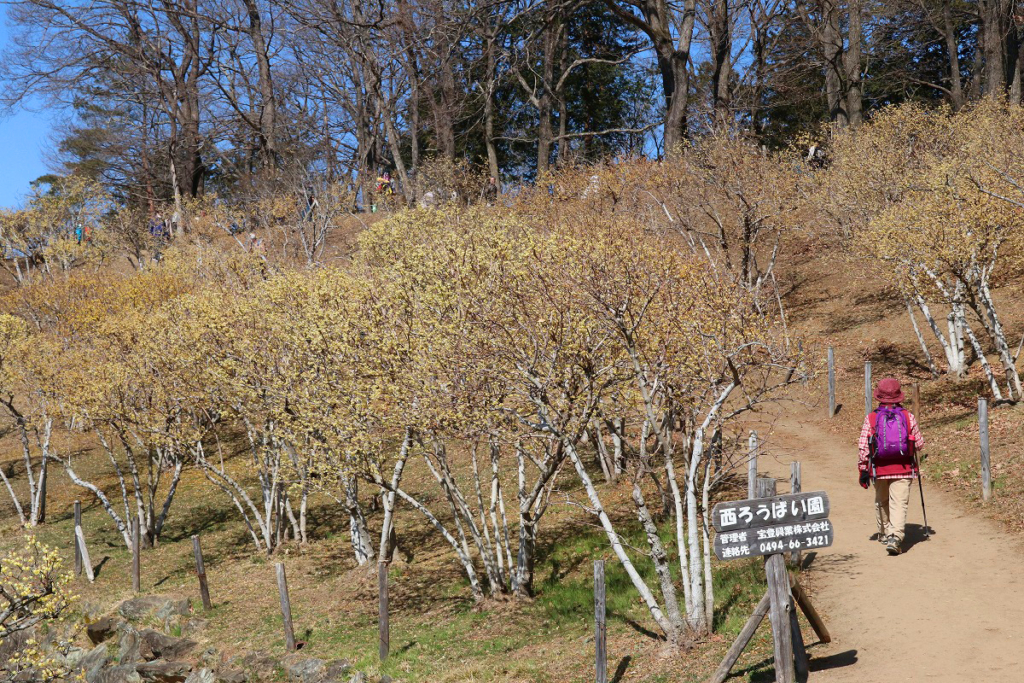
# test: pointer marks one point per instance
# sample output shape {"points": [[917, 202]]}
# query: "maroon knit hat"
{"points": [[889, 391]]}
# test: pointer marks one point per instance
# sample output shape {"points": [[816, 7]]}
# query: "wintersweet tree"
{"points": [[35, 597], [16, 398], [459, 284], [947, 219]]}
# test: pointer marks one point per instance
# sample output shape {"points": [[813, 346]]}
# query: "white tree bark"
{"points": [[620, 552], [920, 340]]}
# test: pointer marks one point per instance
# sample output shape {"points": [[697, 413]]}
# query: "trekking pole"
{"points": [[920, 486]]}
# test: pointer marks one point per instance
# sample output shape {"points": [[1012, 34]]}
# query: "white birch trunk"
{"points": [[920, 340], [620, 552], [388, 498]]}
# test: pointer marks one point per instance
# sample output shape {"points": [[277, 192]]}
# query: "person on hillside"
{"points": [[490, 191], [889, 443]]}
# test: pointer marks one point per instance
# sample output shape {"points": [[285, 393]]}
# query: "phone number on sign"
{"points": [[793, 544]]}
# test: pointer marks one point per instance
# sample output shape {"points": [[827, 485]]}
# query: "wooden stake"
{"points": [[765, 487], [915, 400], [831, 382], [733, 655], [600, 632], [204, 590], [813, 618], [383, 625], [74, 538], [86, 562], [286, 608], [136, 573], [801, 665], [986, 471], [779, 615], [868, 400], [778, 593], [795, 486], [752, 465]]}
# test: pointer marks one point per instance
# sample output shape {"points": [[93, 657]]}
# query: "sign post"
{"points": [[770, 526]]}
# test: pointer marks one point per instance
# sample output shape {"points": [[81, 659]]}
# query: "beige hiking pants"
{"points": [[892, 497]]}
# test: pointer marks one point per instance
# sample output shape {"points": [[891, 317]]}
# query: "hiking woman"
{"points": [[889, 442]]}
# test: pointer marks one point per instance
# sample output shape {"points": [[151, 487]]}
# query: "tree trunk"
{"points": [[489, 87], [854, 87], [660, 560], [993, 47], [620, 551], [720, 30], [545, 133], [832, 47], [956, 93], [920, 339], [359, 533], [268, 112]]}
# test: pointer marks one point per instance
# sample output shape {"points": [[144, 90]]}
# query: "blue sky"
{"points": [[24, 136]]}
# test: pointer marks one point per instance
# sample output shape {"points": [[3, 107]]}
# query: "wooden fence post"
{"points": [[868, 399], [600, 631], [74, 538], [753, 446], [86, 562], [986, 470], [204, 589], [384, 627], [795, 486], [915, 400], [136, 547], [831, 382], [286, 608], [780, 602]]}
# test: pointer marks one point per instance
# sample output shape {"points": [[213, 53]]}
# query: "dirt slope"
{"points": [[949, 609]]}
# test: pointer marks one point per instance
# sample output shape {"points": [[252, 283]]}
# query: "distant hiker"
{"points": [[490, 192], [385, 185], [889, 442], [157, 227]]}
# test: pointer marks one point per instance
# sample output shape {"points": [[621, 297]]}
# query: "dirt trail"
{"points": [[950, 609]]}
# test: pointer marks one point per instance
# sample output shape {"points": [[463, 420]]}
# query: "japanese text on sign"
{"points": [[731, 545], [758, 512]]}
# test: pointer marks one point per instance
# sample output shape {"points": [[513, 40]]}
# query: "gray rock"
{"points": [[194, 625], [129, 646], [102, 629], [92, 663], [229, 675], [71, 658], [162, 671], [123, 673], [337, 671], [158, 607], [210, 658], [156, 645], [304, 669], [358, 677], [201, 676], [385, 679], [260, 665]]}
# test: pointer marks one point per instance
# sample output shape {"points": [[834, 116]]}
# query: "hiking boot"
{"points": [[882, 538], [892, 545]]}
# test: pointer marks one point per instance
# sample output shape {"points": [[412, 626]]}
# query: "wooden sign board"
{"points": [[767, 540], [759, 512]]}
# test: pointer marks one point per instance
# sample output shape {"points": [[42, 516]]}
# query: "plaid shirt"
{"points": [[864, 445]]}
